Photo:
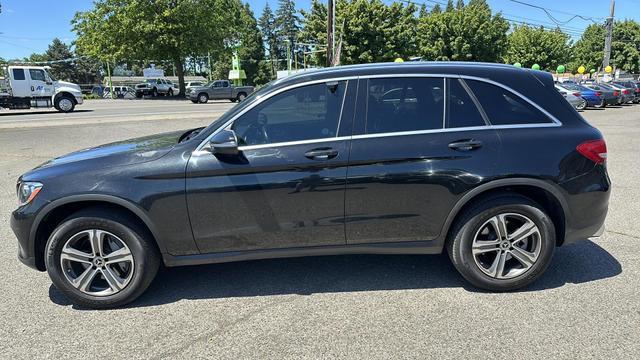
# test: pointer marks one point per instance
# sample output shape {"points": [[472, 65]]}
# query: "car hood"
{"points": [[127, 152], [68, 85]]}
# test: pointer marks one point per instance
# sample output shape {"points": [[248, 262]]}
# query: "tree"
{"points": [[267, 25], [155, 30], [251, 49], [588, 51], [287, 25], [314, 31], [529, 45], [625, 47], [470, 33], [58, 50]]}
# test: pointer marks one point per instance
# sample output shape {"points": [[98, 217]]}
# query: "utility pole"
{"points": [[607, 40], [331, 27]]}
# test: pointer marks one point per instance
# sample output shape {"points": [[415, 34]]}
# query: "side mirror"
{"points": [[224, 143]]}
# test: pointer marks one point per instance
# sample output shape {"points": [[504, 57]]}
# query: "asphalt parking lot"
{"points": [[587, 305]]}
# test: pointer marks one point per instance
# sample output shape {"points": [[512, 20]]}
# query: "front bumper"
{"points": [[21, 223], [79, 100]]}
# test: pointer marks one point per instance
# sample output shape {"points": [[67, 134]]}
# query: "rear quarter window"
{"points": [[503, 107]]}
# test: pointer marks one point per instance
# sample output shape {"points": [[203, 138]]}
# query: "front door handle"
{"points": [[465, 145], [321, 154]]}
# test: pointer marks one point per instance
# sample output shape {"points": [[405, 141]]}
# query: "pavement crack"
{"points": [[623, 234], [224, 327]]}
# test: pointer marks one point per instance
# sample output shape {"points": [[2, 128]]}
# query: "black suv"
{"points": [[487, 162]]}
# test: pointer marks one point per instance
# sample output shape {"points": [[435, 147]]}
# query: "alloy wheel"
{"points": [[506, 246], [97, 262]]}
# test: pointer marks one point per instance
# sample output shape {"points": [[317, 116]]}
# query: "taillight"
{"points": [[616, 93], [625, 91], [598, 93], [577, 94], [594, 150], [638, 90]]}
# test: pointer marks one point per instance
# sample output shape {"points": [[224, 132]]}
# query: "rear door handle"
{"points": [[321, 154], [465, 145]]}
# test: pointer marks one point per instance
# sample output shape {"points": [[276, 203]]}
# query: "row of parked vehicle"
{"points": [[600, 94]]}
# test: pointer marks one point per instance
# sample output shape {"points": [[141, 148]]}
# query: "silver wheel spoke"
{"points": [[524, 257], [499, 224], [85, 279], [120, 255], [71, 254], [527, 229], [497, 267], [114, 281], [96, 238], [481, 247]]}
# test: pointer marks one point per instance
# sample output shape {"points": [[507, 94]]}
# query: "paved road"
{"points": [[378, 307]]}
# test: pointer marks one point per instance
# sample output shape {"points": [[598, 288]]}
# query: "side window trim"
{"points": [[475, 101]]}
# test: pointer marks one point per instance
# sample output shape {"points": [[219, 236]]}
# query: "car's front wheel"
{"points": [[101, 260], [502, 243]]}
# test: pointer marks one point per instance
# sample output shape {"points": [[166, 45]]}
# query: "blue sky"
{"points": [[29, 26]]}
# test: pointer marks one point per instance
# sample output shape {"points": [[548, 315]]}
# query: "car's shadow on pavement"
{"points": [[578, 263]]}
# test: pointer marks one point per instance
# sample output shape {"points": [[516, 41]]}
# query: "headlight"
{"points": [[27, 191], [193, 91]]}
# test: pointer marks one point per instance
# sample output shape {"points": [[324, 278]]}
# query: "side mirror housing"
{"points": [[224, 142]]}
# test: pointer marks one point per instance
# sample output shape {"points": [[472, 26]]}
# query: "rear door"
{"points": [[20, 83], [419, 143]]}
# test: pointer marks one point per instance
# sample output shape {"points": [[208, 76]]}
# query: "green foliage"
{"points": [[251, 48], [625, 47], [588, 50], [528, 45], [155, 29], [267, 25], [60, 51], [469, 33], [314, 30], [287, 24]]}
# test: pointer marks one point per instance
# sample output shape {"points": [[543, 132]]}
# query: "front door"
{"points": [[41, 87], [286, 188], [409, 162]]}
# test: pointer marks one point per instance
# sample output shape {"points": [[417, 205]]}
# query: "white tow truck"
{"points": [[25, 87]]}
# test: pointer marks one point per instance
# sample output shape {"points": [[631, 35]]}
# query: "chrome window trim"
{"points": [[555, 122]]}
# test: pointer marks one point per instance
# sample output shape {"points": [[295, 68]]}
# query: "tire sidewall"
{"points": [[136, 285], [465, 236]]}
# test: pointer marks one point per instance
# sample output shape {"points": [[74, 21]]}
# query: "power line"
{"points": [[549, 14]]}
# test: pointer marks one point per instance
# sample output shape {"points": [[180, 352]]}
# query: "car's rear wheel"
{"points": [[600, 105], [241, 96], [203, 98], [502, 243], [582, 105], [101, 260]]}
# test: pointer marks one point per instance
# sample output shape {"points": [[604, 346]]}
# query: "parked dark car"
{"points": [[628, 94], [487, 162], [633, 87]]}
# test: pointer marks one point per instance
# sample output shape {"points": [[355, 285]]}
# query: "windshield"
{"points": [[51, 77]]}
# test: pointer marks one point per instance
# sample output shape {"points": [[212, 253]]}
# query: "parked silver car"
{"points": [[573, 98]]}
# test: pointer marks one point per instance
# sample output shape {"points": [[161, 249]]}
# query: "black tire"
{"points": [[145, 255], [139, 95], [69, 104], [600, 105], [470, 222], [241, 96], [154, 92], [170, 92], [582, 106], [203, 98], [194, 101], [233, 100]]}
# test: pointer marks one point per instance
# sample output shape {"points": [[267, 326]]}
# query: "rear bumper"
{"points": [[588, 204]]}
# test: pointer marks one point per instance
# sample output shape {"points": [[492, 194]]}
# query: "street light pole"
{"points": [[607, 40], [330, 31]]}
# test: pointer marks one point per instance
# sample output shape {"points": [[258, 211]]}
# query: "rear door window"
{"points": [[18, 74], [462, 110], [504, 107], [404, 104]]}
